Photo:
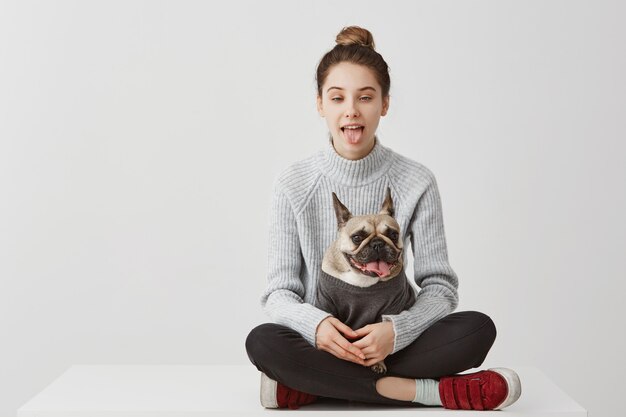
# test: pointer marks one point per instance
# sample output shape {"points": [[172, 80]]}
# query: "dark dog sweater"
{"points": [[358, 306]]}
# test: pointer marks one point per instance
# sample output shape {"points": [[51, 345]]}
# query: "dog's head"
{"points": [[370, 244]]}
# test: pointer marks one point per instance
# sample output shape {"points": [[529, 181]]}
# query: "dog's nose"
{"points": [[377, 244]]}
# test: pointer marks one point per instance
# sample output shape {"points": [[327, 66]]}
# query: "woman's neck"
{"points": [[353, 153], [354, 172]]}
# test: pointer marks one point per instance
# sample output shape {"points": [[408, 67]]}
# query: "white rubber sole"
{"points": [[268, 392], [514, 384]]}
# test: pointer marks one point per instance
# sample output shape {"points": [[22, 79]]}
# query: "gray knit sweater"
{"points": [[303, 224]]}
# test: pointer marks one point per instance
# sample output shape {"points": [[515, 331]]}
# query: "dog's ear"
{"points": [[341, 211], [387, 207]]}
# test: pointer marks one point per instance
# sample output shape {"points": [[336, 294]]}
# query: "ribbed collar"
{"points": [[355, 172]]}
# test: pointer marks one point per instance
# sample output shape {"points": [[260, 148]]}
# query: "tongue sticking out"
{"points": [[381, 268], [353, 135]]}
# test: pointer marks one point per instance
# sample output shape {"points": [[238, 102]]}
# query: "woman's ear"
{"points": [[385, 106], [320, 107]]}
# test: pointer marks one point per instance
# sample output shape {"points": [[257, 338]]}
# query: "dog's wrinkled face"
{"points": [[371, 243]]}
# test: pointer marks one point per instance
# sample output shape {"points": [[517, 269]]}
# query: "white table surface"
{"points": [[233, 390]]}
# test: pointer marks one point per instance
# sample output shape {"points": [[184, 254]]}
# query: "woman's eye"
{"points": [[336, 99]]}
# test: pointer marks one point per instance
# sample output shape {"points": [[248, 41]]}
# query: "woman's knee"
{"points": [[486, 325], [481, 323], [481, 332], [465, 322], [472, 329], [258, 337]]}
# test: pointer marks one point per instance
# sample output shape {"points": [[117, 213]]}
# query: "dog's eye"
{"points": [[356, 239], [393, 235]]}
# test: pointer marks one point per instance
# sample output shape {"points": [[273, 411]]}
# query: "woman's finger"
{"points": [[370, 362], [368, 352], [341, 353], [345, 345], [365, 330], [363, 343], [343, 328]]}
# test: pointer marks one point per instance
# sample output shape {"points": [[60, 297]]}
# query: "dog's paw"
{"points": [[379, 367]]}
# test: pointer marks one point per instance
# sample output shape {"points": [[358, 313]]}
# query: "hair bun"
{"points": [[355, 35]]}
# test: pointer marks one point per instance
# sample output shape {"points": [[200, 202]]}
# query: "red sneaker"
{"points": [[276, 395], [485, 390]]}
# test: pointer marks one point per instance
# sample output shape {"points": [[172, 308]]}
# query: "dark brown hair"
{"points": [[354, 45]]}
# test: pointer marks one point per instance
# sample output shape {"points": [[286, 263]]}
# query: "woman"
{"points": [[306, 353]]}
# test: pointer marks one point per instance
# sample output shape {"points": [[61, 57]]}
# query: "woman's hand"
{"points": [[329, 338], [377, 341]]}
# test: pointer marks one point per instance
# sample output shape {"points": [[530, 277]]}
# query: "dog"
{"points": [[362, 270]]}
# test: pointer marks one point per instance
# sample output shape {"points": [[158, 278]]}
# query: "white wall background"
{"points": [[139, 141]]}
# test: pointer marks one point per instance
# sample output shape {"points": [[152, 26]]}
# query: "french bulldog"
{"points": [[362, 270]]}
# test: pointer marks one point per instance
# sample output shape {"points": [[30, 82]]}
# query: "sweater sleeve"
{"points": [[283, 299], [438, 295]]}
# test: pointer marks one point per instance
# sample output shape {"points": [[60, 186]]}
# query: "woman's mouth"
{"points": [[353, 133]]}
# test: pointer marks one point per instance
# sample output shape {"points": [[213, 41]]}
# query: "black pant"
{"points": [[455, 343]]}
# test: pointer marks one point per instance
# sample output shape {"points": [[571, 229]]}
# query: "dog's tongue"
{"points": [[381, 268]]}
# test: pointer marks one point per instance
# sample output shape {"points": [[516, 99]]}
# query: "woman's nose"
{"points": [[352, 111]]}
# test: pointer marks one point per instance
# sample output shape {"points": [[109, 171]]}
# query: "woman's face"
{"points": [[352, 96]]}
